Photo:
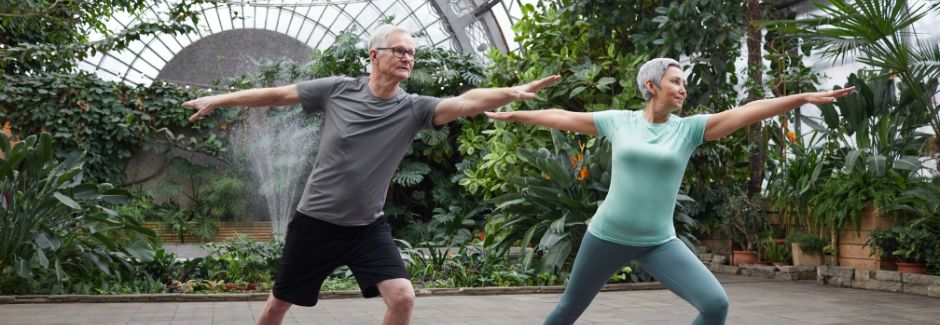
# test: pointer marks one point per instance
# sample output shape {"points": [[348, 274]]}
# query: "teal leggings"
{"points": [[672, 264]]}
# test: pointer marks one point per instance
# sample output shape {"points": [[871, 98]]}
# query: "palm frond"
{"points": [[925, 63]]}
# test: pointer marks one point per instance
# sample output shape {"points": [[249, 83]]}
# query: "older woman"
{"points": [[651, 148]]}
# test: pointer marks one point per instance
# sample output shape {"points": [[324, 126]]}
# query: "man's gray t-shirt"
{"points": [[364, 139]]}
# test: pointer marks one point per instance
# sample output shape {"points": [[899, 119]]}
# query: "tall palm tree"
{"points": [[879, 34]]}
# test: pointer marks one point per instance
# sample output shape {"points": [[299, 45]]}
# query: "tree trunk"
{"points": [[755, 133]]}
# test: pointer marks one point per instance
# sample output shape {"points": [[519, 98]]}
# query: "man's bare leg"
{"points": [[274, 311], [399, 296]]}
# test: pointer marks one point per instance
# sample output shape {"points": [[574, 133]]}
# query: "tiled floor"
{"points": [[753, 301]]}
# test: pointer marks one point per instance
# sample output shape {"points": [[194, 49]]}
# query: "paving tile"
{"points": [[753, 301]]}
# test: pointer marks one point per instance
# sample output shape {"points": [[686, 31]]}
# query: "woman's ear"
{"points": [[373, 54], [651, 87]]}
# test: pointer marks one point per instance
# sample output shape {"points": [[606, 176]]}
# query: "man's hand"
{"points": [[202, 105], [527, 91]]}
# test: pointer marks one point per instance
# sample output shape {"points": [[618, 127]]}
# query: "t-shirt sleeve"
{"points": [[604, 122], [424, 107], [695, 128], [314, 93]]}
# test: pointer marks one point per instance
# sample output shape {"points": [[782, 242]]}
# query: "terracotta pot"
{"points": [[230, 287], [743, 257], [915, 268], [803, 258]]}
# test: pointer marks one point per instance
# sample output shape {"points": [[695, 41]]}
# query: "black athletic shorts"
{"points": [[314, 248]]}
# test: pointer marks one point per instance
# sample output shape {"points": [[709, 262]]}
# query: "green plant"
{"points": [[45, 35], [876, 33], [907, 243], [796, 180], [913, 244], [241, 259], [555, 200], [776, 252], [471, 266], [625, 274], [844, 197], [225, 197], [883, 159], [110, 121], [747, 222], [450, 226], [807, 242], [920, 204], [53, 222]]}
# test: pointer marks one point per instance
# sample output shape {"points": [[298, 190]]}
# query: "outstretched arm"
{"points": [[553, 118], [484, 99], [275, 96], [724, 123]]}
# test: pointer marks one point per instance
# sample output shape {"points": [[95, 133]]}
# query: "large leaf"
{"points": [[41, 258], [506, 200], [877, 164], [139, 251], [813, 124], [45, 240], [100, 261], [556, 256], [411, 173], [851, 158], [829, 116], [22, 268], [550, 238], [908, 163], [67, 201]]}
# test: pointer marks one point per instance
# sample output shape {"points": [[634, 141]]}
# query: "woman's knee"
{"points": [[715, 305]]}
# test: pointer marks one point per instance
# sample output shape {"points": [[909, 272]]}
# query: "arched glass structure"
{"points": [[227, 33]]}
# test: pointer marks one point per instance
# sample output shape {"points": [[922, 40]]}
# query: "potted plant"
{"points": [[806, 249], [908, 244], [746, 223], [777, 252]]}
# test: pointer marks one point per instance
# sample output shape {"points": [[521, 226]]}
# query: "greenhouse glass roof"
{"points": [[232, 30]]}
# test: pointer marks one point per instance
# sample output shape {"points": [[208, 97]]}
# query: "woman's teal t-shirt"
{"points": [[648, 163]]}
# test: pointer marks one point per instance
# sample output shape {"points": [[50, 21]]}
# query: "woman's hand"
{"points": [[826, 97], [501, 116]]}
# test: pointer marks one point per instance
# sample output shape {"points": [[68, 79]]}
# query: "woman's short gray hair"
{"points": [[380, 35], [653, 70]]}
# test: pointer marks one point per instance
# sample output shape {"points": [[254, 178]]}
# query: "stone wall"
{"points": [[881, 280]]}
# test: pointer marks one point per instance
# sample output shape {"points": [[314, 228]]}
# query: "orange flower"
{"points": [[791, 136], [575, 160], [583, 174]]}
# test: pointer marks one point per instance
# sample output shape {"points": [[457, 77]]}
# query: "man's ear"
{"points": [[373, 54]]}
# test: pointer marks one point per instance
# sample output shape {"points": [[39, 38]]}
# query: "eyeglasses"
{"points": [[399, 52]]}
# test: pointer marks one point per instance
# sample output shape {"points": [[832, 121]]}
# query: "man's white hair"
{"points": [[653, 70], [380, 35]]}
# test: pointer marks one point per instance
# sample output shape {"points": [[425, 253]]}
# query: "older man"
{"points": [[369, 125]]}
